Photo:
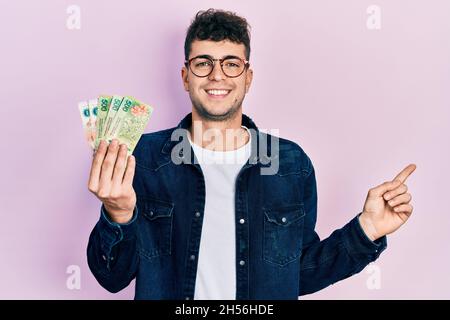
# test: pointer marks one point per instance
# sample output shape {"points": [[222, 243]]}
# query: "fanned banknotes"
{"points": [[114, 117]]}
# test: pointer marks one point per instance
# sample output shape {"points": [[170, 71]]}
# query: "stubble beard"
{"points": [[208, 116]]}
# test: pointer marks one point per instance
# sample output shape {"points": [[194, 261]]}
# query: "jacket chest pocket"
{"points": [[283, 233], [155, 237]]}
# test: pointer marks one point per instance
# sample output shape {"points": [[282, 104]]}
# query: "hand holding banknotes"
{"points": [[113, 126], [111, 180]]}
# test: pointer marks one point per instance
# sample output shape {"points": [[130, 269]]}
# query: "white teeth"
{"points": [[218, 92]]}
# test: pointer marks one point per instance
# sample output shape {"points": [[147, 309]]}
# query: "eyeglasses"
{"points": [[202, 66]]}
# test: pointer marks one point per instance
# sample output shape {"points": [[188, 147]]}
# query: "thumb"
{"points": [[385, 187]]}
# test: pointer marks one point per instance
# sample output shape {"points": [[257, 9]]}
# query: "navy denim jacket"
{"points": [[278, 253]]}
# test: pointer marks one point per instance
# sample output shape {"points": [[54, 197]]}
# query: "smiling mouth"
{"points": [[217, 93]]}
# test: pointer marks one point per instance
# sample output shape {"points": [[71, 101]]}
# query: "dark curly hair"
{"points": [[218, 25]]}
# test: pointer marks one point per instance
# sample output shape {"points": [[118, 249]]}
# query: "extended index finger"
{"points": [[405, 173]]}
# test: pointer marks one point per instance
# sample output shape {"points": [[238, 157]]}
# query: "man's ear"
{"points": [[184, 77], [248, 80]]}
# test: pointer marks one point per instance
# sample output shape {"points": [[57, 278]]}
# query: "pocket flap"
{"points": [[286, 215], [153, 209]]}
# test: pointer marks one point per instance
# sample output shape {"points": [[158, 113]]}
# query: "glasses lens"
{"points": [[201, 66], [233, 67]]}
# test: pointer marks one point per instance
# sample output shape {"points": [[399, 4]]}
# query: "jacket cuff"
{"points": [[111, 233], [358, 244]]}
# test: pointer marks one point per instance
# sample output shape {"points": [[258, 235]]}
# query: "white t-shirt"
{"points": [[216, 272]]}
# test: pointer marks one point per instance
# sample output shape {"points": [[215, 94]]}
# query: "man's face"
{"points": [[207, 105]]}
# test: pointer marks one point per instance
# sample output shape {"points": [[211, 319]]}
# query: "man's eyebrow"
{"points": [[204, 56], [211, 57], [231, 56]]}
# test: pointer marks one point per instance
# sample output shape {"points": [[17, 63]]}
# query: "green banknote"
{"points": [[103, 107], [134, 119], [111, 117]]}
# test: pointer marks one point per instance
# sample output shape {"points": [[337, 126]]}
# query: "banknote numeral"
{"points": [[104, 105], [127, 105]]}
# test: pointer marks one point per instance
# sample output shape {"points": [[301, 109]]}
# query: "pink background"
{"points": [[362, 103]]}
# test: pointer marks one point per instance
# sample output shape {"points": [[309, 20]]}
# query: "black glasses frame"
{"points": [[187, 63]]}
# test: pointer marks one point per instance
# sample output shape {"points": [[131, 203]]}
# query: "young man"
{"points": [[222, 228]]}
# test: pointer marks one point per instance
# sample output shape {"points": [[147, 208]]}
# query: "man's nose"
{"points": [[217, 73]]}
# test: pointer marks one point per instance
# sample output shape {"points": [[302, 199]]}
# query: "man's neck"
{"points": [[224, 135]]}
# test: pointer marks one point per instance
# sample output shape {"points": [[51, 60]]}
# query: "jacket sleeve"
{"points": [[112, 252], [344, 253]]}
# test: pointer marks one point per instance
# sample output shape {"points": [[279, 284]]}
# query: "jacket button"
{"points": [[151, 213], [197, 214], [192, 257], [283, 220], [242, 262], [242, 221]]}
